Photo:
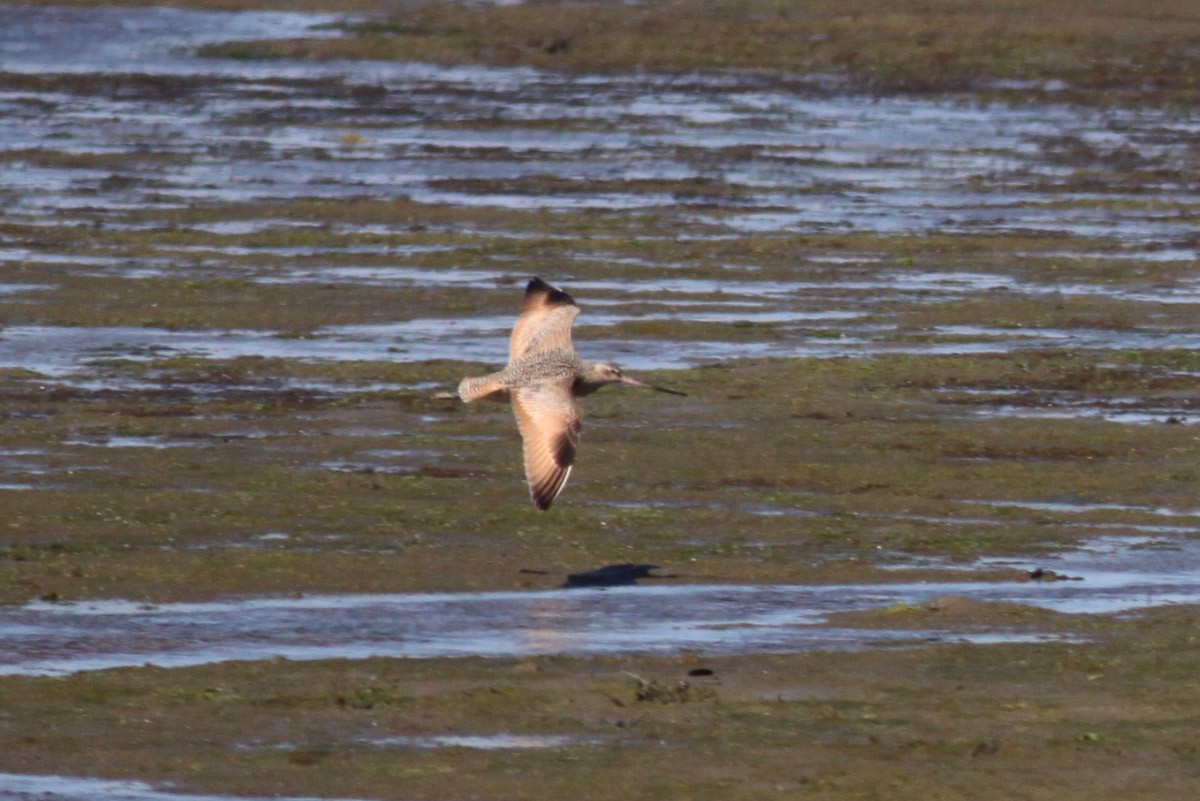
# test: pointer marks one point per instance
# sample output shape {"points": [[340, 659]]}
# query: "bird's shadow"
{"points": [[621, 575]]}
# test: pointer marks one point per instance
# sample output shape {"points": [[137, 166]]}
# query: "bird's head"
{"points": [[600, 374]]}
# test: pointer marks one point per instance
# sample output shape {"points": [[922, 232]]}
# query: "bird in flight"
{"points": [[543, 378]]}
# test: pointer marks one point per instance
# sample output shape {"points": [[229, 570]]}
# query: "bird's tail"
{"points": [[490, 387]]}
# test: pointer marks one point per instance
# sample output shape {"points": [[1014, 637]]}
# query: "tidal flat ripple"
{"points": [[158, 165]]}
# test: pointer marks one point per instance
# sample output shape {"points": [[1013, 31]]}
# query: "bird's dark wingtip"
{"points": [[551, 295]]}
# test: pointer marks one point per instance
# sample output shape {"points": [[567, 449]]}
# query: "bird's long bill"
{"points": [[633, 382]]}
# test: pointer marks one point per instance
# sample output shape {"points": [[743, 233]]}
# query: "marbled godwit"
{"points": [[543, 377]]}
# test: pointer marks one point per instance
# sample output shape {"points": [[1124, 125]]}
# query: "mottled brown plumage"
{"points": [[543, 377]]}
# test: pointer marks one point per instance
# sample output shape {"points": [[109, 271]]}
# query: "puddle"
{"points": [[24, 463], [490, 742], [1074, 507], [1094, 527], [1165, 254], [1165, 572], [1016, 403], [386, 276], [395, 461], [152, 442], [16, 289], [25, 787], [504, 741], [482, 742], [47, 638], [1136, 414]]}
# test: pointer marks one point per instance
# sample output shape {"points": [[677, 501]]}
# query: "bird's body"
{"points": [[551, 365], [543, 377]]}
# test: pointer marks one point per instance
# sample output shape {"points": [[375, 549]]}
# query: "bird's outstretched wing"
{"points": [[550, 425], [544, 322]]}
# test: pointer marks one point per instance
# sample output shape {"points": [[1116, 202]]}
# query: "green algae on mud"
{"points": [[1107, 718], [865, 461], [191, 491], [159, 476]]}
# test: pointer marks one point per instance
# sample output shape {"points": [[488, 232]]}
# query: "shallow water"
{"points": [[67, 352], [29, 787], [50, 638], [57, 639], [482, 742]]}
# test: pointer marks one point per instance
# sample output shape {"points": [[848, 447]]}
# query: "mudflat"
{"points": [[925, 524]]}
